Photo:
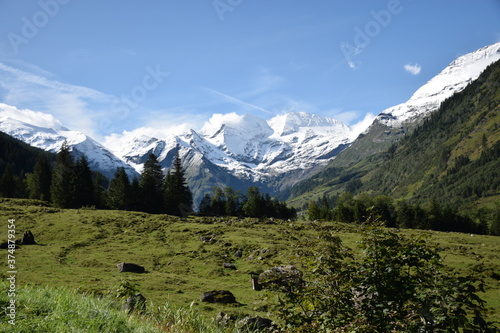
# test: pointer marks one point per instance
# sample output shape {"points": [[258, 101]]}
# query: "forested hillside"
{"points": [[451, 158]]}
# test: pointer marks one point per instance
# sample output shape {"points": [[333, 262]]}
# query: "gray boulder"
{"points": [[129, 267], [218, 296], [254, 324]]}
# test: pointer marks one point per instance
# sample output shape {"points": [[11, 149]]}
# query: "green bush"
{"points": [[398, 284]]}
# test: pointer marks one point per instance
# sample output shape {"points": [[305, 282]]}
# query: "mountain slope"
{"points": [[453, 157], [243, 150], [48, 134], [396, 122], [20, 155]]}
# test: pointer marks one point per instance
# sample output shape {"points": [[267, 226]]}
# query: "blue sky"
{"points": [[108, 66]]}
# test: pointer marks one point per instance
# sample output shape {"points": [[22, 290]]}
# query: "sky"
{"points": [[105, 67]]}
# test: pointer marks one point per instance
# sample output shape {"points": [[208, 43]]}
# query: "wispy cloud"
{"points": [[77, 107], [413, 69], [236, 101]]}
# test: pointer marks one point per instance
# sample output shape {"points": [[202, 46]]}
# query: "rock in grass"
{"points": [[218, 296], [228, 265], [129, 267], [254, 324]]}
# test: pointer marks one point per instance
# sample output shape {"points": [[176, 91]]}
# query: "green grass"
{"points": [[79, 250], [45, 309]]}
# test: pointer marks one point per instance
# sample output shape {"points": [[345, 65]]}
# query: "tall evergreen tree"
{"points": [[8, 183], [178, 196], [40, 180], [100, 183], [62, 188], [255, 203], [135, 190], [119, 192], [151, 183], [84, 186]]}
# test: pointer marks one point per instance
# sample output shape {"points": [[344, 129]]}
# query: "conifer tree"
{"points": [[135, 190], [84, 187], [205, 207], [100, 183], [255, 203], [40, 180], [178, 196], [8, 183], [120, 191], [151, 184], [62, 188]]}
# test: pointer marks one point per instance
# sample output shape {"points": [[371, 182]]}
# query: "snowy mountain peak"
{"points": [[290, 123], [45, 132], [454, 78]]}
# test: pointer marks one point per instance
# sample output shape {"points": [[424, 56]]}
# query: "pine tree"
{"points": [[151, 184], [100, 183], [205, 207], [135, 190], [120, 191], [178, 196], [255, 204], [40, 180], [84, 186], [8, 183], [62, 188]]}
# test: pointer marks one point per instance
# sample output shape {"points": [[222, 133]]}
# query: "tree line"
{"points": [[349, 208], [228, 202], [70, 183]]}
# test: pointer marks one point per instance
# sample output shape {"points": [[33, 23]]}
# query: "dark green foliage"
{"points": [[151, 184], [228, 202], [84, 185], [40, 180], [8, 183], [398, 285], [63, 188], [255, 204], [177, 195], [21, 155], [120, 191], [100, 184], [355, 209]]}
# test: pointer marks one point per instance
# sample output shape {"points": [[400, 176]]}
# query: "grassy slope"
{"points": [[79, 249]]}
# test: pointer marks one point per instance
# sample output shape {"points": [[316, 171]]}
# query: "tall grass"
{"points": [[44, 309]]}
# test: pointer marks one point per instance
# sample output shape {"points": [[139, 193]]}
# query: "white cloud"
{"points": [[77, 107], [362, 125], [413, 69], [31, 117]]}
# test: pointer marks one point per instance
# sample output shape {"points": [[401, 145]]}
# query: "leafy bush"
{"points": [[397, 285]]}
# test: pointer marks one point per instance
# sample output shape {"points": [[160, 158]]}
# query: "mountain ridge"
{"points": [[243, 150]]}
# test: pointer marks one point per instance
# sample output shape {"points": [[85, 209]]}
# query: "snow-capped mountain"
{"points": [[244, 150], [45, 132], [393, 123], [454, 78], [241, 150]]}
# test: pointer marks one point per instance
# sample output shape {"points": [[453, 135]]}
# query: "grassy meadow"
{"points": [[78, 250]]}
